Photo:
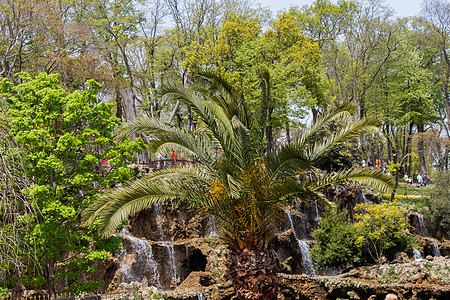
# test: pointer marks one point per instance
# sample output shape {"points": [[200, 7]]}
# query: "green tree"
{"points": [[245, 188], [291, 59], [438, 205], [63, 139]]}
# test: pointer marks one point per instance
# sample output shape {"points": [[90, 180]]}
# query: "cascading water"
{"points": [[157, 209], [436, 251], [316, 210], [423, 229], [212, 227], [171, 252], [144, 262], [288, 213], [200, 296], [306, 258], [362, 198], [304, 249], [417, 255]]}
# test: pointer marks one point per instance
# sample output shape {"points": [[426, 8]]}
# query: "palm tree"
{"points": [[245, 188]]}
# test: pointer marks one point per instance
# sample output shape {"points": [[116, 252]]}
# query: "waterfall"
{"points": [[417, 255], [187, 255], [306, 258], [157, 209], [212, 227], [171, 252], [304, 249], [423, 229], [362, 198], [200, 296], [288, 213], [144, 262], [436, 251], [316, 210]]}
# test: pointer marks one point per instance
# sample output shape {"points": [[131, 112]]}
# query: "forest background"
{"points": [[318, 56]]}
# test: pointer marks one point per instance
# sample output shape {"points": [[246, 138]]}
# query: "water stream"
{"points": [[304, 248], [212, 227], [171, 252], [417, 255], [144, 262], [362, 198], [157, 209], [436, 251], [306, 258], [423, 229], [316, 210]]}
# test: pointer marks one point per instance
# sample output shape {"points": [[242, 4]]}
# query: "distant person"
{"points": [[378, 163], [420, 179], [174, 157], [363, 163], [425, 179]]}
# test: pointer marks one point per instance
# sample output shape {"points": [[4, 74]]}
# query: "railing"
{"points": [[125, 295], [164, 163]]}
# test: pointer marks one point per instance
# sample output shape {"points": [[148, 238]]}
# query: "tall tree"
{"points": [[66, 144]]}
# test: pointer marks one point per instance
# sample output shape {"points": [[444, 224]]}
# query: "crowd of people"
{"points": [[422, 178]]}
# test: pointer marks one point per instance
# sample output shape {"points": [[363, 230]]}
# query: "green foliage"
{"points": [[291, 58], [379, 231], [438, 206], [243, 187], [62, 139], [335, 242], [382, 229]]}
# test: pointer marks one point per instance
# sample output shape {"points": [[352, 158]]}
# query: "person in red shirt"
{"points": [[174, 158]]}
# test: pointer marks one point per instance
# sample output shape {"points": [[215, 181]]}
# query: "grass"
{"points": [[410, 196]]}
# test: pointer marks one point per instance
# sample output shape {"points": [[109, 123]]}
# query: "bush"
{"points": [[379, 230], [335, 242], [382, 230], [438, 206]]}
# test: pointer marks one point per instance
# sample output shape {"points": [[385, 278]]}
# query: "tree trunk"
{"points": [[288, 133], [253, 274], [127, 95], [389, 142], [315, 112], [269, 132], [189, 118], [423, 165], [408, 148], [49, 273], [128, 103]]}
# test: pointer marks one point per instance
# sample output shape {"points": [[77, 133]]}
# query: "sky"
{"points": [[403, 8]]}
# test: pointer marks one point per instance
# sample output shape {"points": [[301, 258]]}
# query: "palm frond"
{"points": [[373, 177], [347, 133], [339, 115], [115, 206]]}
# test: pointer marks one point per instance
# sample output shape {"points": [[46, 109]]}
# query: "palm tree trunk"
{"points": [[253, 274]]}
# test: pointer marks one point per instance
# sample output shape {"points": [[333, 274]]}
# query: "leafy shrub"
{"points": [[379, 230], [335, 242], [438, 206], [382, 230]]}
